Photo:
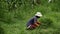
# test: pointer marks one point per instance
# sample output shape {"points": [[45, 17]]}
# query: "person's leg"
{"points": [[33, 26]]}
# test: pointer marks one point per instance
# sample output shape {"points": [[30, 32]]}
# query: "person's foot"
{"points": [[28, 27]]}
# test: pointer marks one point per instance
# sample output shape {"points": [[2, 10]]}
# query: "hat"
{"points": [[38, 14]]}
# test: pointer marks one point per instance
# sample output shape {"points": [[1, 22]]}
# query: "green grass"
{"points": [[14, 21]]}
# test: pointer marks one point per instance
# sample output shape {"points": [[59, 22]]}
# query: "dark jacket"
{"points": [[32, 21]]}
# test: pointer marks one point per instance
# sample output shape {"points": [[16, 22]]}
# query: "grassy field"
{"points": [[14, 21]]}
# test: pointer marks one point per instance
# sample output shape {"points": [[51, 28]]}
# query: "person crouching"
{"points": [[33, 22]]}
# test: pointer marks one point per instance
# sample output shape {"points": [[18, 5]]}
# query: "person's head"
{"points": [[38, 14]]}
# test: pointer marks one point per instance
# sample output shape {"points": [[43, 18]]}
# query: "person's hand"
{"points": [[38, 22]]}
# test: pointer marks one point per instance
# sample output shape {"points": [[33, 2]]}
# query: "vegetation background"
{"points": [[14, 15]]}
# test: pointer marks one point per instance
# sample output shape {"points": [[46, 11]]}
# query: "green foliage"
{"points": [[46, 22], [1, 30], [14, 14]]}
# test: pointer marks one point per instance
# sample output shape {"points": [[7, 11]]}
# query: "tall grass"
{"points": [[13, 21]]}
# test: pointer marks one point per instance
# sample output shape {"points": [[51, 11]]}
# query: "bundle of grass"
{"points": [[46, 22]]}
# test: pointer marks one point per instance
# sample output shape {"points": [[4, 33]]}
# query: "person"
{"points": [[33, 22]]}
